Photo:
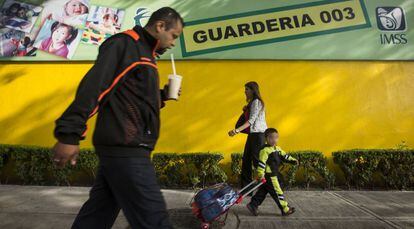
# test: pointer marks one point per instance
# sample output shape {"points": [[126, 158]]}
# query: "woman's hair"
{"points": [[252, 85], [71, 30]]}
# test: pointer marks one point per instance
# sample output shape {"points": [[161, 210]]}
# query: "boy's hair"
{"points": [[269, 131], [167, 15], [72, 31]]}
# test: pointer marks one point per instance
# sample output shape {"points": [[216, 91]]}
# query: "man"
{"points": [[123, 88]]}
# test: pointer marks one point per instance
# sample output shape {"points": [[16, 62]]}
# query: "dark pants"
{"points": [[126, 183], [254, 143], [273, 187]]}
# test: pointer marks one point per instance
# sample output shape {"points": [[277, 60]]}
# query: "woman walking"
{"points": [[253, 123]]}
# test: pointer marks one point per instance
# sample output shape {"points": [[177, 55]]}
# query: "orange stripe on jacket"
{"points": [[145, 59], [133, 34], [119, 77]]}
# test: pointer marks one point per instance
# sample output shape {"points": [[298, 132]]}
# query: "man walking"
{"points": [[123, 88]]}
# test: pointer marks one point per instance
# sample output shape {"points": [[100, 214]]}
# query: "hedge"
{"points": [[312, 163], [394, 166], [361, 168], [33, 166], [188, 169]]}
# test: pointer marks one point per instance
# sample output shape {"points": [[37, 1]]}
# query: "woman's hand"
{"points": [[233, 132]]}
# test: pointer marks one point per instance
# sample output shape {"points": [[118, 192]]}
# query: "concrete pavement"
{"points": [[56, 207]]}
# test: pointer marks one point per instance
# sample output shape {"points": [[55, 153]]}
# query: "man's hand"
{"points": [[166, 92], [64, 153]]}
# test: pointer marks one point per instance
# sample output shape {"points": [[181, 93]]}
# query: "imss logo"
{"points": [[392, 19]]}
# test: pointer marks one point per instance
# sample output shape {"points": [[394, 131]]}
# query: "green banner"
{"points": [[234, 29]]}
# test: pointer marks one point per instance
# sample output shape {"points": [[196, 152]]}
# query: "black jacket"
{"points": [[123, 88]]}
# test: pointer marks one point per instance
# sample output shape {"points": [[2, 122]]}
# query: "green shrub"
{"points": [[33, 165], [87, 162], [168, 167], [396, 168], [206, 167], [313, 164], [236, 160], [2, 161], [188, 169], [359, 166]]}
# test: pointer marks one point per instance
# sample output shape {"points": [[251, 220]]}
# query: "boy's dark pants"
{"points": [[127, 183], [254, 143], [272, 186]]}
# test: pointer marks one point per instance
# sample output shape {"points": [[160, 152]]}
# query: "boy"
{"points": [[270, 158]]}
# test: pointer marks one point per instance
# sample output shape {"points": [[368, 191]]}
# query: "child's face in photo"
{"points": [[74, 8], [61, 34], [272, 139], [109, 20], [21, 13]]}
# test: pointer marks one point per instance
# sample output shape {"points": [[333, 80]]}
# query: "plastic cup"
{"points": [[174, 85]]}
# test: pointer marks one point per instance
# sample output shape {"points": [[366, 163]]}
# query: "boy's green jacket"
{"points": [[270, 157]]}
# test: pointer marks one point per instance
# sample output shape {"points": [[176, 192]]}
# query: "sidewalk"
{"points": [[56, 207]]}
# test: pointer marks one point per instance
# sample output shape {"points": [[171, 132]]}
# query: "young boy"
{"points": [[270, 158]]}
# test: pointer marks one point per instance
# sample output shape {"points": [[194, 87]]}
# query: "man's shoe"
{"points": [[291, 211], [252, 209]]}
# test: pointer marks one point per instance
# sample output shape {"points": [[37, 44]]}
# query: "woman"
{"points": [[255, 126]]}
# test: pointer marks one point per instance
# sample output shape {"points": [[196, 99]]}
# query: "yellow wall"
{"points": [[319, 105]]}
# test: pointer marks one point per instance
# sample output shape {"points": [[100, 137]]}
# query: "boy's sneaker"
{"points": [[252, 209], [291, 211]]}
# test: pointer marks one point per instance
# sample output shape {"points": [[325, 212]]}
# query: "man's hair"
{"points": [[270, 131], [167, 15]]}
